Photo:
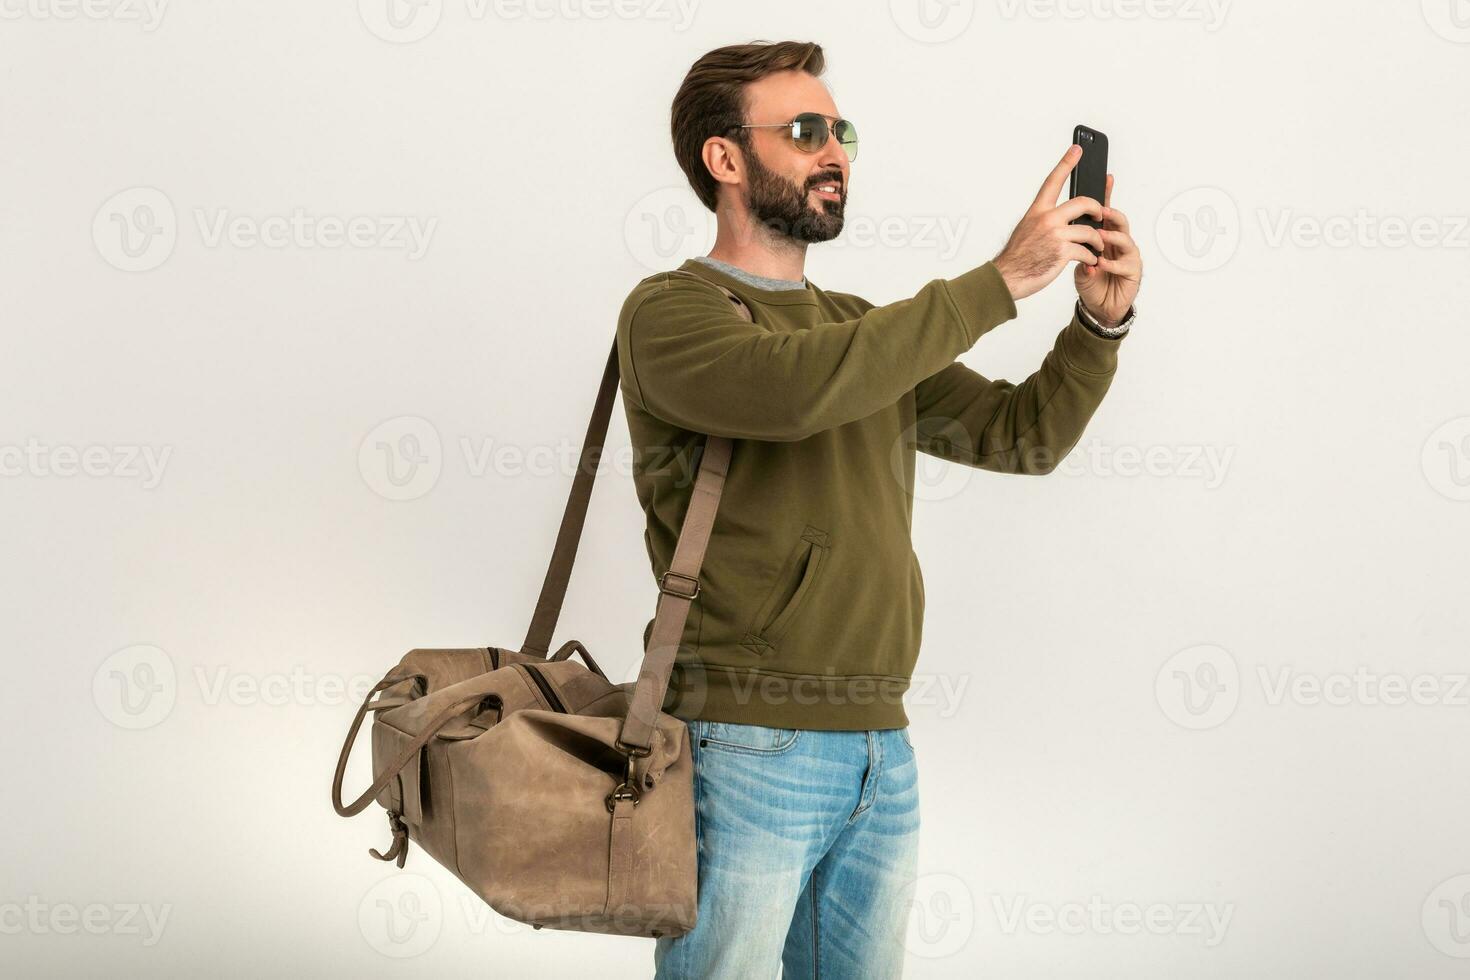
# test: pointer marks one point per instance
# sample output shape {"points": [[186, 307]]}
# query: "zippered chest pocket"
{"points": [[790, 592]]}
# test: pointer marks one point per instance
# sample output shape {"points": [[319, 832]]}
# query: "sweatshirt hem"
{"points": [[831, 702]]}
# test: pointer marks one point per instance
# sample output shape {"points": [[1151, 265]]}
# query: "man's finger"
{"points": [[1078, 206], [1122, 268], [1085, 234], [1113, 218], [1051, 189], [1121, 242], [1078, 253], [1108, 191]]}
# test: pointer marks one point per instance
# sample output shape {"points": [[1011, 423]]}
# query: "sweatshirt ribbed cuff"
{"points": [[1087, 351], [982, 298]]}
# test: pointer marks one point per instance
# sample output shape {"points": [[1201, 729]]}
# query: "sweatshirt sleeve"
{"points": [[687, 357], [1026, 428]]}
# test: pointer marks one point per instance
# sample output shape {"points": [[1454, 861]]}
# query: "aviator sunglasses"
{"points": [[809, 131]]}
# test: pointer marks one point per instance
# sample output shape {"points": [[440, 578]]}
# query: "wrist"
{"points": [[1105, 327], [1006, 276], [1096, 319]]}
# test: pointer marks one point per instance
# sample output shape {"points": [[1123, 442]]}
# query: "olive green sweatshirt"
{"points": [[811, 606]]}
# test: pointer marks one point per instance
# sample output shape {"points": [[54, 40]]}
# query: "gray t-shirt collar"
{"points": [[750, 279]]}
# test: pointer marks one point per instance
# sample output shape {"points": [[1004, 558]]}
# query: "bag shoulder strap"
{"points": [[678, 586]]}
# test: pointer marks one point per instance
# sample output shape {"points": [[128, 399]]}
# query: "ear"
{"points": [[723, 159]]}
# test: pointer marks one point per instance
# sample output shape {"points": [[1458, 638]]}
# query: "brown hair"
{"points": [[711, 99]]}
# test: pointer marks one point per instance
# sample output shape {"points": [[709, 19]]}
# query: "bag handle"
{"points": [[575, 646], [431, 729], [673, 605]]}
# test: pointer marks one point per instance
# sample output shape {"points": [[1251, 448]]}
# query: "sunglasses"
{"points": [[809, 132]]}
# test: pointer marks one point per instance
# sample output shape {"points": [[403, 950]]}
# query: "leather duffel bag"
{"points": [[561, 799]]}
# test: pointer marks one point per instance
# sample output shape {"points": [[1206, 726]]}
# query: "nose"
{"points": [[831, 156]]}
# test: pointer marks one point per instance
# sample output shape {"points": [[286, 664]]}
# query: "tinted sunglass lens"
{"points": [[809, 132], [847, 136]]}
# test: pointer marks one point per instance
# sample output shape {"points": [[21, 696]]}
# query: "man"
{"points": [[804, 634]]}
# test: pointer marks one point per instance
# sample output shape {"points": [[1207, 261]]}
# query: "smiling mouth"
{"points": [[828, 191]]}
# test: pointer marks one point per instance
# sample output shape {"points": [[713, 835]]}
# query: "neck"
{"points": [[748, 245]]}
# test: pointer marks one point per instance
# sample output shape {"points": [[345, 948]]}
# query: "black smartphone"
{"points": [[1090, 177]]}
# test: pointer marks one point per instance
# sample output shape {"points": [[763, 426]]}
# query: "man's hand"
{"points": [[1107, 288], [1045, 241]]}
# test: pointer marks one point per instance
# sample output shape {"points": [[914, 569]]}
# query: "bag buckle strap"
{"points": [[626, 791], [663, 585]]}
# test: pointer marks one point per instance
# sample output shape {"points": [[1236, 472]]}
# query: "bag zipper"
{"points": [[546, 690]]}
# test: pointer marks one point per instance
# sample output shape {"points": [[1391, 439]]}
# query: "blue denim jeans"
{"points": [[808, 845]]}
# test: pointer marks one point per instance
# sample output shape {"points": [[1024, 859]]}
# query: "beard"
{"points": [[780, 205]]}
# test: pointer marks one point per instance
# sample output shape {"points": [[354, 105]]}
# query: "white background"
{"points": [[1118, 639]]}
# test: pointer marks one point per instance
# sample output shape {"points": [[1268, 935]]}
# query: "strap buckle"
{"points": [[663, 585], [626, 791], [632, 751]]}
